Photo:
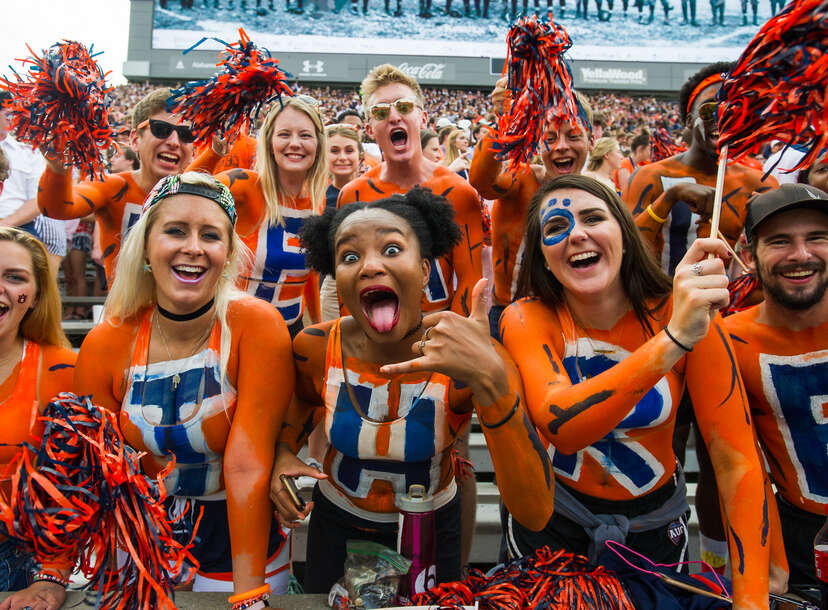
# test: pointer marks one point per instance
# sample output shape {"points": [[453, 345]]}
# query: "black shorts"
{"points": [[211, 546], [331, 527], [667, 544], [799, 528]]}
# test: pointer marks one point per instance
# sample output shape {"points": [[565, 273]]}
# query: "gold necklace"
{"points": [[176, 377]]}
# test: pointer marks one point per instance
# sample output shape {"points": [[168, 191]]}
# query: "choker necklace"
{"points": [[184, 317]]}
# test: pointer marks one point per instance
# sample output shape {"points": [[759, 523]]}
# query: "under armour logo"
{"points": [[309, 66]]}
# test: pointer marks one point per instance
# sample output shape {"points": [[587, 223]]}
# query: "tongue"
{"points": [[381, 315]]}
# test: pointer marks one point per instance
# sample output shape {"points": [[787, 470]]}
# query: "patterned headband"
{"points": [[172, 185]]}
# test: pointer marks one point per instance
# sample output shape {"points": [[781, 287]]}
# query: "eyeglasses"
{"points": [[163, 130], [707, 111], [381, 111]]}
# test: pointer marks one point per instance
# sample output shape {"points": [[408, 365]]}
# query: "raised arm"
{"points": [[467, 256], [264, 385], [486, 173], [58, 198], [720, 404]]}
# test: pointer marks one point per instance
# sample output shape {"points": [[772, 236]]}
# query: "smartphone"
{"points": [[293, 492]]}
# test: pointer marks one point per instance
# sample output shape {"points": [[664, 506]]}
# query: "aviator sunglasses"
{"points": [[162, 130], [707, 111], [381, 111]]}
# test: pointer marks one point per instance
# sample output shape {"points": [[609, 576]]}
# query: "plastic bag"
{"points": [[372, 577]]}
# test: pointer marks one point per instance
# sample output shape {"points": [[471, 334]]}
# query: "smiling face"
{"points": [[187, 248], [582, 243], [398, 136], [160, 158], [565, 150], [294, 142], [17, 282], [705, 133], [380, 274], [791, 255], [343, 156]]}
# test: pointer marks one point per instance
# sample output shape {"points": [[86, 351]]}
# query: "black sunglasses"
{"points": [[163, 130]]}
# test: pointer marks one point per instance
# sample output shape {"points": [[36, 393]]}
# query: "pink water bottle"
{"points": [[417, 540]]}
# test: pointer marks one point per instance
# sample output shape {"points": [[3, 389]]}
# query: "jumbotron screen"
{"points": [[679, 31]]}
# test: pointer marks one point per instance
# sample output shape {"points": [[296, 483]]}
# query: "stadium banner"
{"points": [[647, 45]]}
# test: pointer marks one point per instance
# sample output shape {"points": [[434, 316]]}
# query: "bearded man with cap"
{"points": [[782, 349]]}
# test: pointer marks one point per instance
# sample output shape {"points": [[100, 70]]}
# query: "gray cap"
{"points": [[786, 197]]}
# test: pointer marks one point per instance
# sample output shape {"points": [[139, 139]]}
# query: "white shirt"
{"points": [[784, 159], [25, 168]]}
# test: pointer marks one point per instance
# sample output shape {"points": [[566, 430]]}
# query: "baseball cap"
{"points": [[443, 122], [786, 197], [464, 124]]}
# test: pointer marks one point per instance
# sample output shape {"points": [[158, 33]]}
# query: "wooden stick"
{"points": [[682, 585], [732, 251], [717, 200]]}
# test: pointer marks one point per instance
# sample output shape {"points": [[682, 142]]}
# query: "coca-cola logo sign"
{"points": [[428, 71]]}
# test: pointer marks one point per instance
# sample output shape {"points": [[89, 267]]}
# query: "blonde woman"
{"points": [[345, 157], [604, 160], [189, 363], [287, 186], [457, 152], [35, 364]]}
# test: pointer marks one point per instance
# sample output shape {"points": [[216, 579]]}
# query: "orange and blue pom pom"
{"points": [[777, 88], [81, 496], [663, 145], [540, 90], [61, 105], [249, 80]]}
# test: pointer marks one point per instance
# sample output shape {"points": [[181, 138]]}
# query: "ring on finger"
{"points": [[427, 332], [696, 268], [422, 347]]}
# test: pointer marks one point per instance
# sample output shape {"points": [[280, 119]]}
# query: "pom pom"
{"points": [[61, 106], [663, 145], [82, 495], [547, 579], [250, 79], [540, 89], [778, 86]]}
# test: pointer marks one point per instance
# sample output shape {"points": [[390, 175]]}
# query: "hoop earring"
{"points": [[147, 268]]}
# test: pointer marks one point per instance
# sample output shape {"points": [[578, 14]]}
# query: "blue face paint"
{"points": [[552, 212]]}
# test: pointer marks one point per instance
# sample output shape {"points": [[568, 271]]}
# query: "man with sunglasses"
{"points": [[393, 104], [672, 201], [164, 147]]}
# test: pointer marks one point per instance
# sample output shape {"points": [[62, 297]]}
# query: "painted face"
{"points": [[380, 274], [187, 248], [818, 176], [432, 150], [17, 283], [705, 130], [791, 255], [294, 142], [581, 242], [161, 157], [343, 156], [398, 135], [564, 151]]}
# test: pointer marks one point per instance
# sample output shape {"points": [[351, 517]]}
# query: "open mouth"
{"points": [[381, 307], [3, 309], [169, 158], [399, 138], [799, 275], [189, 274], [582, 260], [564, 166]]}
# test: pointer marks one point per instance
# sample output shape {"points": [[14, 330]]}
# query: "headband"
{"points": [[172, 185], [713, 78]]}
